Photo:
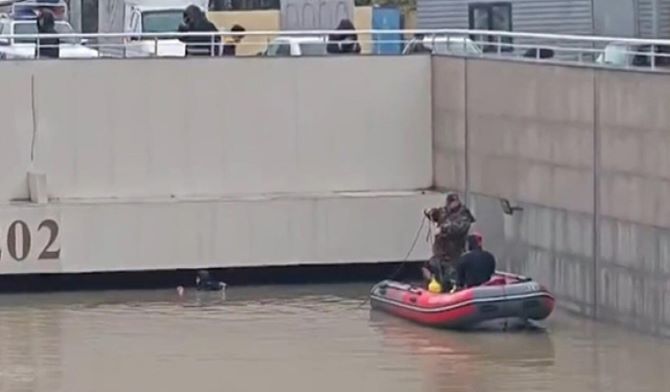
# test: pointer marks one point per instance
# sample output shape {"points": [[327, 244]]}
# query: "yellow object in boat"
{"points": [[434, 286]]}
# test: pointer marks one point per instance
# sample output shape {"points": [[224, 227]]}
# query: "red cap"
{"points": [[478, 237]]}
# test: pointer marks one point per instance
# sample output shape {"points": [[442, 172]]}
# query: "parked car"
{"points": [[455, 45], [151, 16], [24, 48], [296, 46], [621, 54]]}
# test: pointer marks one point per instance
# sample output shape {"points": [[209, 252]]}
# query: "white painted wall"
{"points": [[169, 234], [149, 128], [148, 162], [16, 130]]}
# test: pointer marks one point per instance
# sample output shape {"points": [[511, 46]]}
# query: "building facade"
{"points": [[619, 18]]}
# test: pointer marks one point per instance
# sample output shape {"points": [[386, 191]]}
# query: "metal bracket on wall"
{"points": [[507, 208]]}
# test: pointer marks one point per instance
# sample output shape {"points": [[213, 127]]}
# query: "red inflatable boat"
{"points": [[505, 296]]}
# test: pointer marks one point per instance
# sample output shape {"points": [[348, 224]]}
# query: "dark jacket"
{"points": [[195, 21], [229, 49], [345, 42], [475, 268], [48, 47]]}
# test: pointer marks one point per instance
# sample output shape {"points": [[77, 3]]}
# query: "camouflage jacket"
{"points": [[452, 231]]}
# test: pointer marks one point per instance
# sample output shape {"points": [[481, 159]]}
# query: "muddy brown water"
{"points": [[300, 338]]}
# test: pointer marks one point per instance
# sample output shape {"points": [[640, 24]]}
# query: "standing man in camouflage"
{"points": [[453, 222]]}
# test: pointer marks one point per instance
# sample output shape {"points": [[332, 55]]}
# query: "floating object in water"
{"points": [[211, 285], [204, 282]]}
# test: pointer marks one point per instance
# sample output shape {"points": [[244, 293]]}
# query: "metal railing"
{"points": [[576, 49]]}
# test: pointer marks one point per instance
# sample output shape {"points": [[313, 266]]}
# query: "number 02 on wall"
{"points": [[20, 240]]}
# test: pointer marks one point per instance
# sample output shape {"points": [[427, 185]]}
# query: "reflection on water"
{"points": [[29, 349], [299, 338]]}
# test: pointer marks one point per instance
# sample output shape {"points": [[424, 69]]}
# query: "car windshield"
{"points": [[313, 49], [26, 28], [463, 47], [452, 45], [279, 48], [161, 21], [616, 54]]}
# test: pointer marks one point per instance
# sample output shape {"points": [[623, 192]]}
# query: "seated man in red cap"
{"points": [[475, 267], [453, 224]]}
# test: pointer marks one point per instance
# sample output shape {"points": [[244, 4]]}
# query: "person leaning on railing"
{"points": [[345, 42], [196, 21], [230, 48], [47, 47]]}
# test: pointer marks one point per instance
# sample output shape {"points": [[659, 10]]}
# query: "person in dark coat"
{"points": [[46, 24], [196, 21], [453, 222], [477, 266], [345, 42]]}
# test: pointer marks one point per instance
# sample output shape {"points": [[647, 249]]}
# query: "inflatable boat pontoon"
{"points": [[505, 296]]}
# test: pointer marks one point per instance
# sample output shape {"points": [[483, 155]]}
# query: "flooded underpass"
{"points": [[299, 338]]}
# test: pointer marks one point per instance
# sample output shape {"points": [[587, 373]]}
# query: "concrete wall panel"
{"points": [[634, 125], [171, 234], [448, 89], [254, 125], [633, 271], [531, 133], [552, 246], [16, 130]]}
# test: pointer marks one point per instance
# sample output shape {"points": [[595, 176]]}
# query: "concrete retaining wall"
{"points": [[17, 129], [634, 216], [213, 127], [573, 147], [213, 162], [224, 232]]}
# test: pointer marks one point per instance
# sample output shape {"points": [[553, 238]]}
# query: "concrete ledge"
{"points": [[125, 235], [37, 187]]}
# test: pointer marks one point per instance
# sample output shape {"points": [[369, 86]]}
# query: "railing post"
{"points": [[499, 42], [156, 46], [652, 49]]}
